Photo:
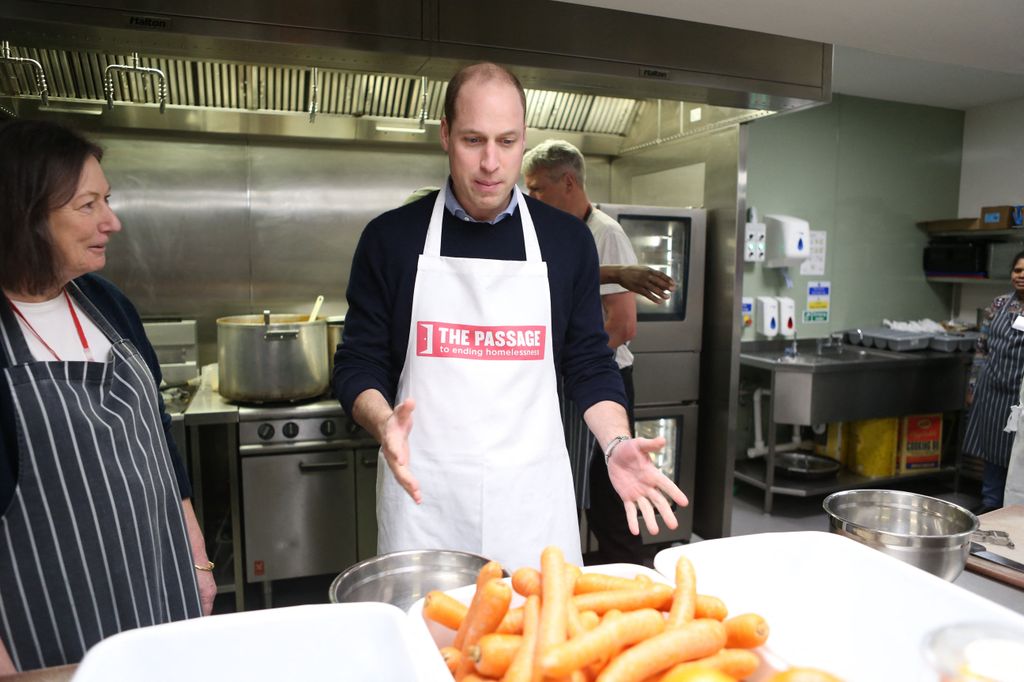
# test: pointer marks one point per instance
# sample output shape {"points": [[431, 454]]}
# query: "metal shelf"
{"points": [[752, 471], [1002, 235]]}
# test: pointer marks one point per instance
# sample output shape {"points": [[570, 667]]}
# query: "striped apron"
{"points": [[94, 541], [996, 391]]}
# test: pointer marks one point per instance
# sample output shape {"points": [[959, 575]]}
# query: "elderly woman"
{"points": [[995, 380], [97, 534]]}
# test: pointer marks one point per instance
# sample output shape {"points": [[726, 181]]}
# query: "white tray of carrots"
{"points": [[610, 623]]}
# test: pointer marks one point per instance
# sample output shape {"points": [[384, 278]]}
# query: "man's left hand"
{"points": [[642, 486]]}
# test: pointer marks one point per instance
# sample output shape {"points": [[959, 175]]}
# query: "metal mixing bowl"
{"points": [[923, 531], [400, 578]]}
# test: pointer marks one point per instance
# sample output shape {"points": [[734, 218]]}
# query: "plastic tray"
{"points": [[948, 343], [901, 341], [864, 337], [833, 603], [364, 641]]}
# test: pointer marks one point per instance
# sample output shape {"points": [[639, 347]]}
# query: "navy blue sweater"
{"points": [[122, 316], [383, 277]]}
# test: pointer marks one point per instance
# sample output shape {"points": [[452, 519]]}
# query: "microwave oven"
{"points": [[956, 259]]}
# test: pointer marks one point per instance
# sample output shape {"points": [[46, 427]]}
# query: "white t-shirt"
{"points": [[613, 248], [52, 321]]}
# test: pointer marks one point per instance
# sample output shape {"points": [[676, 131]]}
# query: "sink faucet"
{"points": [[837, 341], [834, 340], [790, 351]]}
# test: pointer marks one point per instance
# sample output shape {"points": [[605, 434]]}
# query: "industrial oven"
{"points": [[666, 349]]}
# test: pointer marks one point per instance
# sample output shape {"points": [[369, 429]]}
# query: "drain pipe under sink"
{"points": [[760, 449]]}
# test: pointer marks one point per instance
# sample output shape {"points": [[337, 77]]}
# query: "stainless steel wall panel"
{"points": [[184, 250], [308, 207]]}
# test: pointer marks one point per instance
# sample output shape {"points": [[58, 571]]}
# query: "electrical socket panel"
{"points": [[753, 243]]}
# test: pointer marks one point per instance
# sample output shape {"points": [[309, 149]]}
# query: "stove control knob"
{"points": [[265, 431], [290, 430], [328, 428]]}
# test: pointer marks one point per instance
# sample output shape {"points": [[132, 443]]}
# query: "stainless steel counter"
{"points": [[844, 384], [857, 383]]}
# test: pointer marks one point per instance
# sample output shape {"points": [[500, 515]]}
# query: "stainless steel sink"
{"points": [[847, 382], [810, 357]]}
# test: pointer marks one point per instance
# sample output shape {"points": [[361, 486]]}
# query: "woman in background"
{"points": [[97, 534], [995, 380]]}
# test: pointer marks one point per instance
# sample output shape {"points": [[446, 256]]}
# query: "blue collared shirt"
{"points": [[455, 208]]}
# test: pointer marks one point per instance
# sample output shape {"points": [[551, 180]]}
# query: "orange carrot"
{"points": [[588, 619], [599, 582], [655, 597], [736, 663], [746, 631], [526, 581], [554, 614], [696, 639], [490, 571], [493, 653], [521, 668], [444, 609], [595, 668], [485, 613], [574, 625], [644, 579], [589, 647], [473, 677], [452, 658], [512, 623], [710, 607], [684, 598], [803, 675]]}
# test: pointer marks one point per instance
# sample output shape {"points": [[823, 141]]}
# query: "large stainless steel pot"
{"points": [[335, 327], [271, 358]]}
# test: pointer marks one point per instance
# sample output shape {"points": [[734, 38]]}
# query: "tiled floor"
{"points": [[789, 514]]}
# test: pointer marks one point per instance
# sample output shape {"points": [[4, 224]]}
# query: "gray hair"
{"points": [[556, 155]]}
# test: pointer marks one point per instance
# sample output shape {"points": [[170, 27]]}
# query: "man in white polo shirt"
{"points": [[555, 173]]}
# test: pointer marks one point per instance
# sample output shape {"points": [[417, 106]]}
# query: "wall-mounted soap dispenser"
{"points": [[766, 316], [787, 316], [787, 241]]}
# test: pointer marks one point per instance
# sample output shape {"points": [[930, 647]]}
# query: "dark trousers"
{"points": [[993, 483], [606, 517]]}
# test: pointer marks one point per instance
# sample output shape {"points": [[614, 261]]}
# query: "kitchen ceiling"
{"points": [[944, 53]]}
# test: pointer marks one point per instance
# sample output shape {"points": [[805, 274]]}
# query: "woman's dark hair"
{"points": [[1013, 263], [40, 165]]}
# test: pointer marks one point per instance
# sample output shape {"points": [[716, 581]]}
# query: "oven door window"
{"points": [[667, 427], [663, 244]]}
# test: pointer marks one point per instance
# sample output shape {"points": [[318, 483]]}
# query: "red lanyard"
{"points": [[74, 318]]}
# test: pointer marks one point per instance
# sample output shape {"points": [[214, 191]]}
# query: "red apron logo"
{"points": [[513, 342]]}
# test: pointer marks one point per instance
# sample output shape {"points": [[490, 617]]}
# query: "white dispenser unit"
{"points": [[767, 316], [787, 317], [787, 241]]}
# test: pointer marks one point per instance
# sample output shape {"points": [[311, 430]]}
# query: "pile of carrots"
{"points": [[580, 627]]}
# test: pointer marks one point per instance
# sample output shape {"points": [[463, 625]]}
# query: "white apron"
{"points": [[1013, 493], [487, 445]]}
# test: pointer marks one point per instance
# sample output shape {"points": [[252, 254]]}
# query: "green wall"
{"points": [[864, 171]]}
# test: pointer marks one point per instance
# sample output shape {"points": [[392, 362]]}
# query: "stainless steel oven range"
{"points": [[304, 469]]}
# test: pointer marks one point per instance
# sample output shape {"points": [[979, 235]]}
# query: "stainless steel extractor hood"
{"points": [[378, 70]]}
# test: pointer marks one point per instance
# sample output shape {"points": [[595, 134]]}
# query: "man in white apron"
{"points": [[484, 469]]}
